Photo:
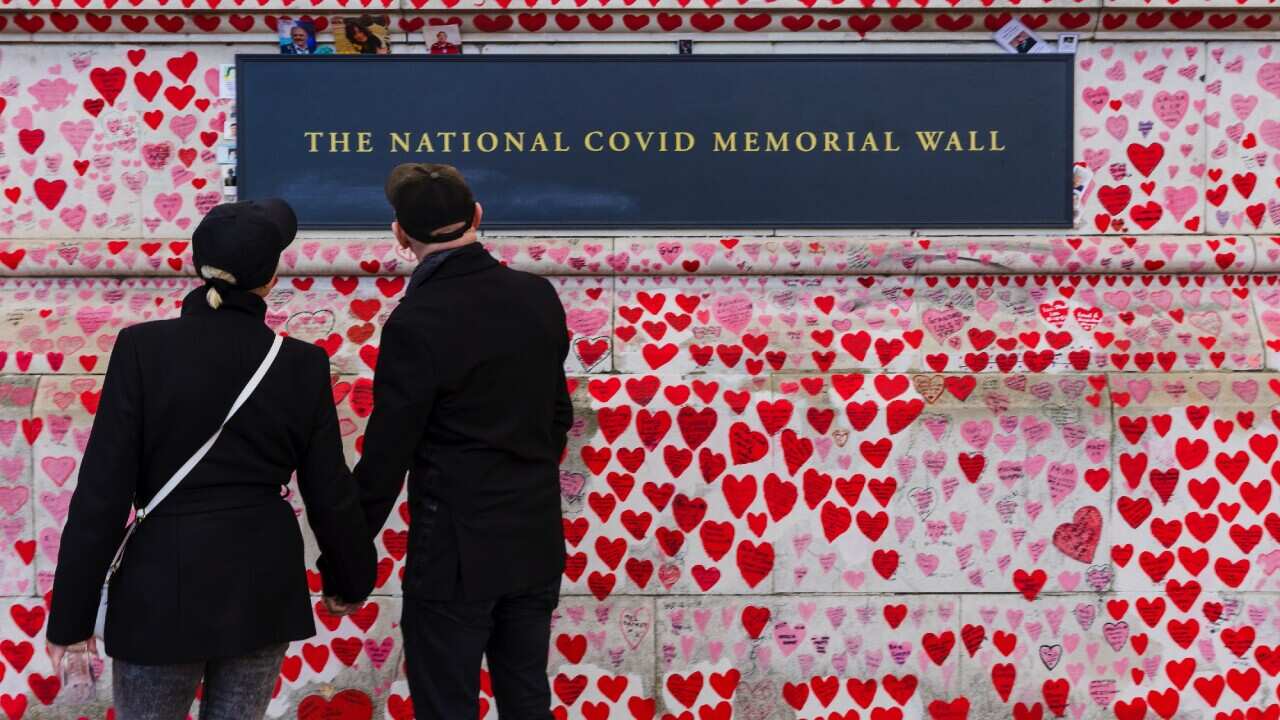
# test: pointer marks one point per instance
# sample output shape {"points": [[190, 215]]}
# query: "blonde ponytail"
{"points": [[208, 272]]}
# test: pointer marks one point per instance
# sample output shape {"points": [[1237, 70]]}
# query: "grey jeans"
{"points": [[237, 688]]}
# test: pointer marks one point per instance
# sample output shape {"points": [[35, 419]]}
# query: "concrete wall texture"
{"points": [[822, 476]]}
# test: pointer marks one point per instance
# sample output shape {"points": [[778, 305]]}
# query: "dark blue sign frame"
{"points": [[1028, 98]]}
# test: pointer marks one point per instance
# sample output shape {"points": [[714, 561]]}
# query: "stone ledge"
{"points": [[546, 20], [738, 325], [355, 254]]}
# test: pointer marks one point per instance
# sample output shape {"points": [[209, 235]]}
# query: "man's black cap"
{"points": [[427, 197], [243, 240]]}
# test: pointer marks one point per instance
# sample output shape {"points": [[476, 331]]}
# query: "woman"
{"points": [[362, 38], [213, 583]]}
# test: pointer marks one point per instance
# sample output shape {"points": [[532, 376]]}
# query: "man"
{"points": [[442, 46], [300, 42], [470, 398]]}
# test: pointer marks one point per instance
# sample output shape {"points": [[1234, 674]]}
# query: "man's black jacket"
{"points": [[470, 398]]}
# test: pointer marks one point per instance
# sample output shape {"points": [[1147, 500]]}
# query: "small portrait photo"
{"points": [[364, 35], [229, 182], [444, 39], [297, 37], [1015, 37], [226, 153]]}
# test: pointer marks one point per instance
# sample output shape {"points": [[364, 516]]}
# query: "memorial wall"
{"points": [[815, 474]]}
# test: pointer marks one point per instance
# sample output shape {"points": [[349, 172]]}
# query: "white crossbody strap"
{"points": [[204, 449]]}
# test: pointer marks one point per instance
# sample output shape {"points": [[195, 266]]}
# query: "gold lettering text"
{"points": [[929, 139]]}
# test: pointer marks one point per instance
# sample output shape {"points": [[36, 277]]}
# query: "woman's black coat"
{"points": [[217, 570]]}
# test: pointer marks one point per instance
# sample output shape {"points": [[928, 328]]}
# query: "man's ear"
{"points": [[271, 285], [475, 221], [401, 237]]}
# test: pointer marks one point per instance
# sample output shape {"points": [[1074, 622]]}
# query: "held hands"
{"points": [[57, 652], [338, 608]]}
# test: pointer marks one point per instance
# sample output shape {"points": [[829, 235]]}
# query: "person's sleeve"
{"points": [[404, 388], [348, 560], [100, 505], [564, 404]]}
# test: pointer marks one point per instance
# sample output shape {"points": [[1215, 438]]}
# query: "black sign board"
{"points": [[756, 141]]}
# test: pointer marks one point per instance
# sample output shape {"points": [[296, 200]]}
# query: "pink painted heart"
{"points": [[57, 504], [733, 312], [76, 133], [182, 126], [1269, 78], [51, 94], [168, 205], [1269, 131], [13, 498], [1170, 108], [58, 468]]}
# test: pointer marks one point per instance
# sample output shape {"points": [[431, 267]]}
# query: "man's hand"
{"points": [[338, 607], [56, 652]]}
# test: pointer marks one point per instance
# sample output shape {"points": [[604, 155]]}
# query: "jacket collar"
{"points": [[428, 266], [468, 259], [236, 302]]}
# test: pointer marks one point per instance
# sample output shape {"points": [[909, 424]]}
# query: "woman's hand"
{"points": [[56, 652]]}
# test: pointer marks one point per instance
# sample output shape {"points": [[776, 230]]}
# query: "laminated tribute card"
{"points": [[1015, 37]]}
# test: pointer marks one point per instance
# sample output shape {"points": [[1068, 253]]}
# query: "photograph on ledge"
{"points": [[444, 39], [1016, 37], [297, 37], [363, 35]]}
